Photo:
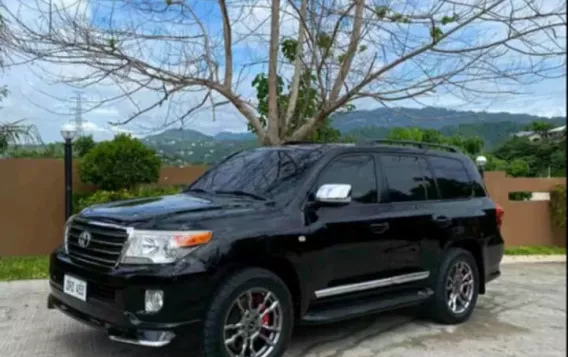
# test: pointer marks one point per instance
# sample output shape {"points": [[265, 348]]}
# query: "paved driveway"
{"points": [[523, 314]]}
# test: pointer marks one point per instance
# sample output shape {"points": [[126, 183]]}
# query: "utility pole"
{"points": [[79, 113]]}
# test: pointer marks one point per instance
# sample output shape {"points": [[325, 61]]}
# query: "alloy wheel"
{"points": [[459, 287], [253, 324]]}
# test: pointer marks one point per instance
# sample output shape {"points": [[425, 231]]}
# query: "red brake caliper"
{"points": [[258, 301]]}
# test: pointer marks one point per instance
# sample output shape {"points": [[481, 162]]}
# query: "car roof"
{"points": [[392, 147]]}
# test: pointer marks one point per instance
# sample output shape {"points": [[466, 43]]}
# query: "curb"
{"points": [[509, 259]]}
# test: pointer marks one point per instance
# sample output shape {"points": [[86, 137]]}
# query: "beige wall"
{"points": [[525, 222], [32, 205]]}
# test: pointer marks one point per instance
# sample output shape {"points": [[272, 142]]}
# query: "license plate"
{"points": [[75, 287]]}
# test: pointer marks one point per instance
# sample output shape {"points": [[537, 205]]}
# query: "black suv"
{"points": [[277, 236]]}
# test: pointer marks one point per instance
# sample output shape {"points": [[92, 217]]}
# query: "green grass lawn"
{"points": [[23, 268], [536, 250]]}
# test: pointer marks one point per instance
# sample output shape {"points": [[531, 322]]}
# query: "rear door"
{"points": [[458, 213], [409, 187]]}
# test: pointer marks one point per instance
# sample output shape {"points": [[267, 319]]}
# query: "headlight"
{"points": [[162, 247], [66, 234]]}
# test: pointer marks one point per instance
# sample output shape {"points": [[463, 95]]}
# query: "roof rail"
{"points": [[298, 142], [420, 144]]}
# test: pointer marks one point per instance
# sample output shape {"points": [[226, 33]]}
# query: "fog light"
{"points": [[153, 300]]}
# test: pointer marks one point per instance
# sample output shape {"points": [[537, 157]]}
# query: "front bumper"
{"points": [[115, 301], [152, 335]]}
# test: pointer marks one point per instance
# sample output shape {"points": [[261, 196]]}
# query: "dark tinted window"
{"points": [[266, 172], [356, 170], [429, 182], [452, 178], [407, 178]]}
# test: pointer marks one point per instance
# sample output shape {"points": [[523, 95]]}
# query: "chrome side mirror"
{"points": [[334, 193]]}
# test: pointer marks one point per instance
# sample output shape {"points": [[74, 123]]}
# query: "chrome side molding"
{"points": [[373, 284]]}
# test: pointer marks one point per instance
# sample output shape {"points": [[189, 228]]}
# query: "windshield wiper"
{"points": [[242, 193], [200, 190]]}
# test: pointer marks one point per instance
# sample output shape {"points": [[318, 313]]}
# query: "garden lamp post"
{"points": [[68, 132], [481, 162]]}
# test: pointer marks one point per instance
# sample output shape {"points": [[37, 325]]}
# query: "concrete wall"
{"points": [[525, 222], [32, 205]]}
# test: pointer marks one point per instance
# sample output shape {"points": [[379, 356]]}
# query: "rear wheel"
{"points": [[250, 316], [456, 288]]}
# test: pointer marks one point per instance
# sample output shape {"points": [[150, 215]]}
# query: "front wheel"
{"points": [[250, 316], [456, 288]]}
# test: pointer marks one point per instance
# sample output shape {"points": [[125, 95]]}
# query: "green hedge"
{"points": [[121, 163], [558, 206], [82, 200]]}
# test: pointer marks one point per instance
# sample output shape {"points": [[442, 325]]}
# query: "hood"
{"points": [[156, 207]]}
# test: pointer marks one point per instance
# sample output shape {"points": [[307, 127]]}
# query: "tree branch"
{"points": [[294, 88], [228, 44], [351, 50], [273, 117]]}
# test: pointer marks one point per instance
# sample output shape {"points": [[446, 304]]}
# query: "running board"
{"points": [[354, 309]]}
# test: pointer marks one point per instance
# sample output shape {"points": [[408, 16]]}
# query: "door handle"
{"points": [[443, 221], [379, 228]]}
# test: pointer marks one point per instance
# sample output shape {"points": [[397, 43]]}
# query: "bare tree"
{"points": [[385, 50], [17, 131]]}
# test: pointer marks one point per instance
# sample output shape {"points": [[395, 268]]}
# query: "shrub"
{"points": [[104, 196], [123, 162], [83, 145], [558, 206]]}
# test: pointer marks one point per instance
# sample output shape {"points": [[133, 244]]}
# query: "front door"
{"points": [[353, 232]]}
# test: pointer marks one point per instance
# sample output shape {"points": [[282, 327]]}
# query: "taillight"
{"points": [[499, 213]]}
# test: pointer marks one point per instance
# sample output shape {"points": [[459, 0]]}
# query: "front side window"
{"points": [[451, 175], [408, 178], [266, 173], [356, 170]]}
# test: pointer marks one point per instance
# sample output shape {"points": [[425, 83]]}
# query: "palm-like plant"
{"points": [[12, 133], [17, 132]]}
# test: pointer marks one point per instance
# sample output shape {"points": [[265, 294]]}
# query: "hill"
{"points": [[231, 136], [180, 146], [429, 117], [176, 135]]}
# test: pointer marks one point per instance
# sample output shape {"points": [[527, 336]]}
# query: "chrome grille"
{"points": [[104, 247]]}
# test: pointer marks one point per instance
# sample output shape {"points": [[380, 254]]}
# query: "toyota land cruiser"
{"points": [[277, 236]]}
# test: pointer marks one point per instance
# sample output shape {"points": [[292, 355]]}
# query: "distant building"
{"points": [[555, 133]]}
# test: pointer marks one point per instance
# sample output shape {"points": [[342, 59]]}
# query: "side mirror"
{"points": [[334, 194]]}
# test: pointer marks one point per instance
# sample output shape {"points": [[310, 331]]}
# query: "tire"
{"points": [[439, 307], [224, 310]]}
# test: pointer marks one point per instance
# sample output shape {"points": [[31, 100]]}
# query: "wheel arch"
{"points": [[474, 247], [279, 266]]}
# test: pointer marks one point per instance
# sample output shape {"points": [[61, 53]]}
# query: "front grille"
{"points": [[101, 292], [104, 248]]}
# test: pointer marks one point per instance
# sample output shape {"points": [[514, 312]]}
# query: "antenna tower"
{"points": [[78, 113]]}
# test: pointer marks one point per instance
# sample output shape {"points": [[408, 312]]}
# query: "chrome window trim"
{"points": [[372, 284]]}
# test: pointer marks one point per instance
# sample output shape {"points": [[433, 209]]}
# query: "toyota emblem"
{"points": [[84, 239]]}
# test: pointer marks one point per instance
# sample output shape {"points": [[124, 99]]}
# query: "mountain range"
{"points": [[178, 146]]}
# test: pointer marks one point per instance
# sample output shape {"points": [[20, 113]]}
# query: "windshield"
{"points": [[263, 173]]}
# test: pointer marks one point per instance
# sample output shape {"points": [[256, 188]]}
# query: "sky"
{"points": [[48, 106]]}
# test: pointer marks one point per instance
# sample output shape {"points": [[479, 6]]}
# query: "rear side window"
{"points": [[408, 178], [356, 170], [451, 175]]}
